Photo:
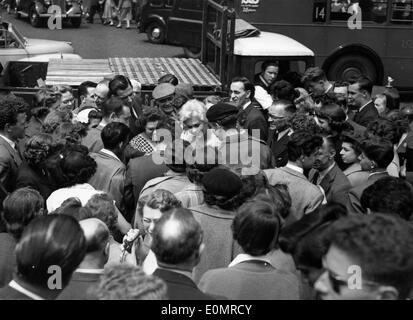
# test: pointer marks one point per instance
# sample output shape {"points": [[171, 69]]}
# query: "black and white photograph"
{"points": [[208, 154]]}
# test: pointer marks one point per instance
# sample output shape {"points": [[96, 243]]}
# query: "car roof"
{"points": [[270, 44]]}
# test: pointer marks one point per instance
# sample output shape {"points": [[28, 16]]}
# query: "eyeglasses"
{"points": [[196, 125]]}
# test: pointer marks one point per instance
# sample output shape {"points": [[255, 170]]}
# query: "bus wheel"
{"points": [[191, 52], [155, 33], [352, 66]]}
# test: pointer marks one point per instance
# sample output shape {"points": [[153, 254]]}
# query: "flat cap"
{"points": [[220, 111], [163, 90]]}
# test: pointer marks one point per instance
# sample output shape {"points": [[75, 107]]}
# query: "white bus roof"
{"points": [[270, 44]]}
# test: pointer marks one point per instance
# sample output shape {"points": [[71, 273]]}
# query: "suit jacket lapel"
{"points": [[13, 152]]}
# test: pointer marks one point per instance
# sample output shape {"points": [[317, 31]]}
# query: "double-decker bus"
{"points": [[382, 47]]}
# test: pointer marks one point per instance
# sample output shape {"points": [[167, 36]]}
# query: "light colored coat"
{"points": [[305, 196]]}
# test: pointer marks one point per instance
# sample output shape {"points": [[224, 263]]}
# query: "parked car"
{"points": [[37, 11], [14, 46]]}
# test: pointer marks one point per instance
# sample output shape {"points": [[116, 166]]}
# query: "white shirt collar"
{"points": [[246, 105], [10, 142], [363, 106], [13, 284], [90, 271], [283, 133], [294, 167], [110, 153], [329, 88], [242, 257]]}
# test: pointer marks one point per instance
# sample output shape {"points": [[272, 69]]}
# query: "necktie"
{"points": [[316, 175]]}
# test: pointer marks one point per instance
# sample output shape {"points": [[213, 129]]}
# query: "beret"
{"points": [[222, 182], [220, 111], [163, 90]]}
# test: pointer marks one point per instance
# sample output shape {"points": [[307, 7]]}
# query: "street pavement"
{"points": [[95, 41]]}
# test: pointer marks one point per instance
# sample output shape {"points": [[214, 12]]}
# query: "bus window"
{"points": [[372, 10], [402, 12], [195, 5], [156, 3]]}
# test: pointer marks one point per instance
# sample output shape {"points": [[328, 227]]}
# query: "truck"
{"points": [[223, 57]]}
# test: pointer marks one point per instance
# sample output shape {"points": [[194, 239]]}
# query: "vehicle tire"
{"points": [[34, 18], [155, 33], [76, 22], [350, 66], [191, 52]]}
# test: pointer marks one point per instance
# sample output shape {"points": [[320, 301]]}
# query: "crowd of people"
{"points": [[291, 187]]}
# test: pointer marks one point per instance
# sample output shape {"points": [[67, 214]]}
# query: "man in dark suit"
{"points": [[327, 174], [138, 172], [317, 84], [91, 268], [251, 116], [177, 244], [359, 97], [12, 124], [279, 133]]}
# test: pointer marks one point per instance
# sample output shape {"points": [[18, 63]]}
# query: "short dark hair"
{"points": [[102, 207], [381, 245], [389, 195], [302, 143], [283, 90], [313, 74], [202, 163], [76, 166], [300, 121], [151, 115], [82, 89], [354, 139], [364, 83], [112, 105], [128, 282], [178, 247], [8, 115], [248, 85], [386, 129], [378, 150], [168, 78], [53, 240], [113, 134], [21, 207], [119, 82], [256, 227], [73, 207], [335, 116], [268, 63]]}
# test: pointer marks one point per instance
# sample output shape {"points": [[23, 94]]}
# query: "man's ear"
{"points": [[113, 116], [387, 293], [7, 127], [248, 94]]}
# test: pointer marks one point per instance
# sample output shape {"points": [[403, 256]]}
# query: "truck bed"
{"points": [[145, 70]]}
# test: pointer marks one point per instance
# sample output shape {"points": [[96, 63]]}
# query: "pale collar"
{"points": [[378, 172], [283, 133], [294, 167], [10, 142], [110, 153], [13, 284], [329, 88], [364, 105], [264, 81], [243, 257], [246, 105], [90, 271]]}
